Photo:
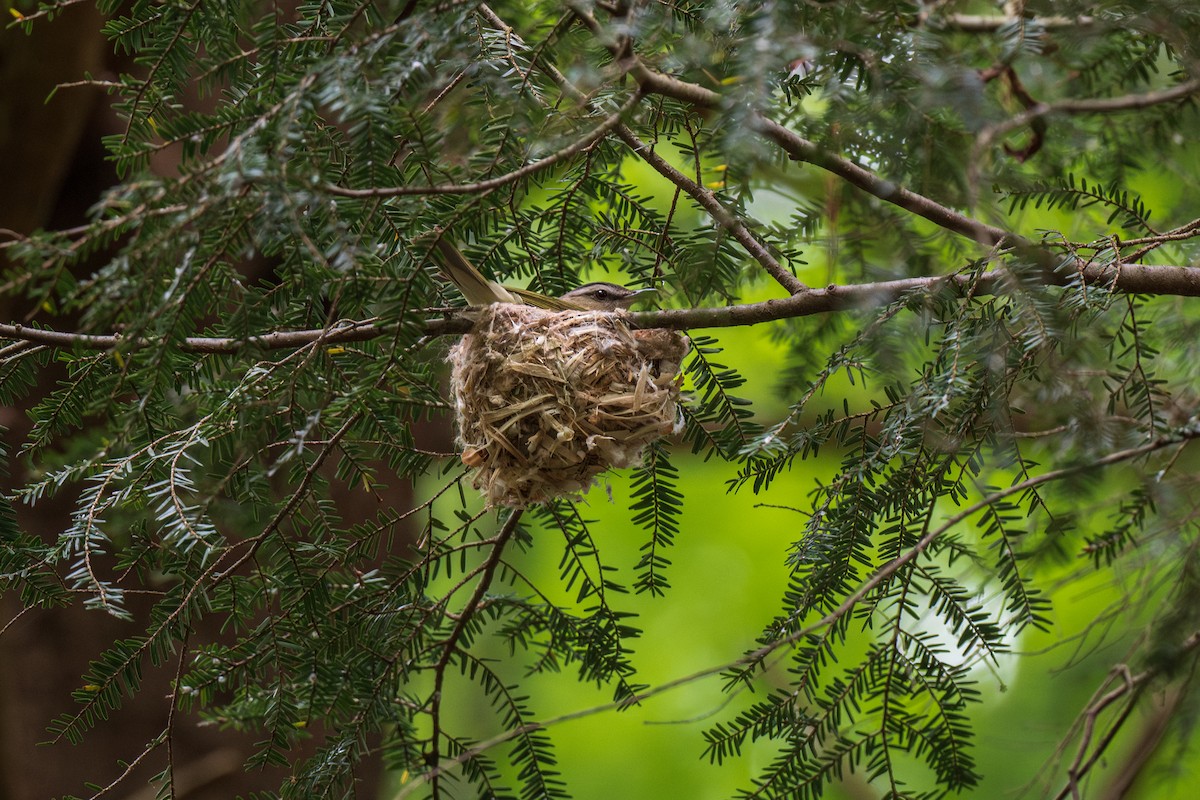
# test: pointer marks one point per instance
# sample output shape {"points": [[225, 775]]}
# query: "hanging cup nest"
{"points": [[547, 400]]}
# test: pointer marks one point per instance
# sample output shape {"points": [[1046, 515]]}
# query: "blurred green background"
{"points": [[728, 573]]}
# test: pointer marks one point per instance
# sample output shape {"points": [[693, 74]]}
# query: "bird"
{"points": [[479, 291]]}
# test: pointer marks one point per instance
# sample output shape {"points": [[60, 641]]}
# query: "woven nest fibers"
{"points": [[546, 401]]}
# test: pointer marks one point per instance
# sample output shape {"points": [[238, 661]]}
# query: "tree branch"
{"points": [[1129, 687], [595, 135], [864, 589], [799, 148], [487, 571], [1129, 278], [1098, 105], [978, 23], [709, 202], [359, 331], [705, 198]]}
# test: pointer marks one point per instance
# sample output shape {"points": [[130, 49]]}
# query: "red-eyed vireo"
{"points": [[479, 291]]}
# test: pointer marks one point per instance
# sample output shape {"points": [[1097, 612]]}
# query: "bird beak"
{"points": [[637, 295]]}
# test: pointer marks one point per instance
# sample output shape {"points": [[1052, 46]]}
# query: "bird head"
{"points": [[603, 296]]}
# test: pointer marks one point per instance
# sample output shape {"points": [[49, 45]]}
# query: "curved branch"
{"points": [[801, 149], [1099, 105], [1128, 688], [598, 133]]}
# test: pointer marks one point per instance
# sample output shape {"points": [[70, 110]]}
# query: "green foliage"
{"points": [[977, 440], [1130, 208]]}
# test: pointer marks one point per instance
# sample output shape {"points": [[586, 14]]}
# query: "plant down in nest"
{"points": [[547, 400]]}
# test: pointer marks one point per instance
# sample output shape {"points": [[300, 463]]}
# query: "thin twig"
{"points": [[450, 646], [1098, 105], [579, 145], [848, 605], [1129, 686]]}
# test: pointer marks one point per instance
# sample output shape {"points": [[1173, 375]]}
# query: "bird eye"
{"points": [[602, 294]]}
